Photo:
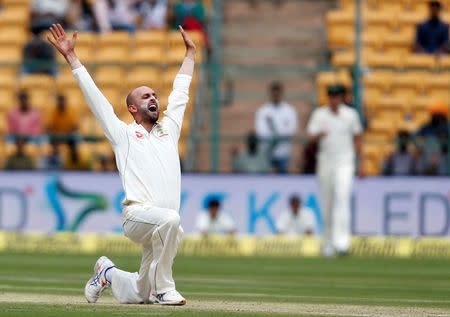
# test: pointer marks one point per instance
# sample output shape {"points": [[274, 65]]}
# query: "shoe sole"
{"points": [[183, 302]]}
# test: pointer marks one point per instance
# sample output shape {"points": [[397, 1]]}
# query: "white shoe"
{"points": [[169, 298], [98, 283]]}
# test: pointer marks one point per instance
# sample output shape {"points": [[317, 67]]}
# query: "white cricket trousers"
{"points": [[159, 232], [335, 183]]}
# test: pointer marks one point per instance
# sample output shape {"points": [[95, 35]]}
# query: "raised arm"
{"points": [[179, 97], [114, 129]]}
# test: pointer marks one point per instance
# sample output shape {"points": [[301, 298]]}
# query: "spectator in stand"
{"points": [[63, 121], [432, 139], [402, 161], [432, 35], [115, 14], [154, 14], [438, 125], [191, 15], [39, 57], [214, 221], [275, 124], [46, 12], [297, 220], [252, 159], [74, 160], [24, 120], [19, 160], [52, 161]]}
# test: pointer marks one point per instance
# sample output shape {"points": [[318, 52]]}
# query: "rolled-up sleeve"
{"points": [[114, 129]]}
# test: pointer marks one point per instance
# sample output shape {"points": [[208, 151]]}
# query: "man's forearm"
{"points": [[187, 68], [73, 60]]}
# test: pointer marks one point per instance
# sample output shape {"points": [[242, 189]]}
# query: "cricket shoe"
{"points": [[169, 298], [98, 283]]}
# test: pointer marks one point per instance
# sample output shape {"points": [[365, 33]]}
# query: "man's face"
{"points": [[335, 100], [145, 105], [275, 95], [295, 207], [435, 12], [23, 102], [61, 103], [213, 210]]}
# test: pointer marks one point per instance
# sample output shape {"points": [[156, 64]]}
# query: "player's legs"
{"points": [[325, 176], [159, 231], [341, 231]]}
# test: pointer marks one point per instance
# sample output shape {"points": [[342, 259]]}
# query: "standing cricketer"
{"points": [[148, 162], [337, 129]]}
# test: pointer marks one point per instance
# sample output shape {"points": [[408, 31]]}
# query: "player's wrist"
{"points": [[73, 60]]}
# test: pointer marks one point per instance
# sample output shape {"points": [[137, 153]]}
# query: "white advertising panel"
{"points": [[90, 202]]}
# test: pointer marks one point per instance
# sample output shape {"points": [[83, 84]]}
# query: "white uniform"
{"points": [[298, 225], [149, 168], [285, 122], [336, 167], [222, 224]]}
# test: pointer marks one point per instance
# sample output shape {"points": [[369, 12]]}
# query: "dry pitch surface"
{"points": [[44, 285]]}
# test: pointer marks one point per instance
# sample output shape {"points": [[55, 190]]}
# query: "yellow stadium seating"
{"points": [[382, 59], [8, 91], [155, 55], [420, 61], [150, 38], [398, 43], [444, 62], [112, 55], [114, 39]]}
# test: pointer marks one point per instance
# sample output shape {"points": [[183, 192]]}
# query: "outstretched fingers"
{"points": [[51, 40], [55, 36], [61, 30], [57, 31]]}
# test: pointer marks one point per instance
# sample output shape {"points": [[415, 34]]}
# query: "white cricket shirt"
{"points": [[299, 224], [337, 147], [272, 121], [222, 224], [148, 163]]}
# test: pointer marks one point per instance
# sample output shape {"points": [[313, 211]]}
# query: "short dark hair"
{"points": [[435, 4], [276, 85], [295, 199], [22, 94], [335, 90], [214, 203]]}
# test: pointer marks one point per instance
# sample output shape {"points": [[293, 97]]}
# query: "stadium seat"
{"points": [[438, 86], [382, 59], [398, 43], [112, 55], [345, 58], [10, 4], [8, 93], [151, 55], [420, 61], [14, 17], [114, 72], [114, 39], [379, 21], [150, 38], [407, 84], [444, 62]]}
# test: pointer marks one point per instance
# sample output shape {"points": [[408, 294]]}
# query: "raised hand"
{"points": [[64, 45], [190, 46], [60, 40]]}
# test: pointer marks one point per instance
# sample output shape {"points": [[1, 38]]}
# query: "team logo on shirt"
{"points": [[139, 134], [161, 132]]}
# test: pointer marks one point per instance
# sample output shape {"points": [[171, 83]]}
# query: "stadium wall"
{"points": [[90, 202]]}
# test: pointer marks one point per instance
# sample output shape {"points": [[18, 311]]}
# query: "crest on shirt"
{"points": [[160, 132], [139, 134]]}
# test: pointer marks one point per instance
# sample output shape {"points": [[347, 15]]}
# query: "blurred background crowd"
{"points": [[252, 96]]}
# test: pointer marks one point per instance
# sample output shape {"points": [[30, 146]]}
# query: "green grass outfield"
{"points": [[52, 285]]}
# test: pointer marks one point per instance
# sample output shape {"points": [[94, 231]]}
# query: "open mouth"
{"points": [[153, 107]]}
